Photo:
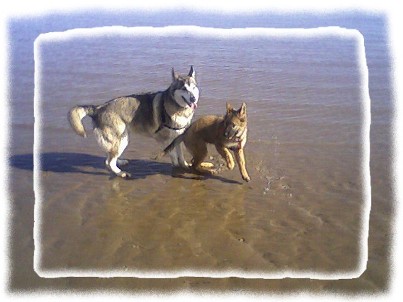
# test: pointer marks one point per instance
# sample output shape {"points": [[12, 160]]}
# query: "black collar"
{"points": [[167, 121], [166, 118]]}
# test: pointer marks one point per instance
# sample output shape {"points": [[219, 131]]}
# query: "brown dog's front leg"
{"points": [[226, 154], [240, 158]]}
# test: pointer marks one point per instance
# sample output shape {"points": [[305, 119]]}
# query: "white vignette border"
{"points": [[218, 33]]}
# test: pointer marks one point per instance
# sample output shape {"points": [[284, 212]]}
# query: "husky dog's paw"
{"points": [[123, 174], [184, 164]]}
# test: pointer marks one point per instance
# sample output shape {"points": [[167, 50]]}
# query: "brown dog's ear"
{"points": [[229, 108], [242, 110], [174, 75]]}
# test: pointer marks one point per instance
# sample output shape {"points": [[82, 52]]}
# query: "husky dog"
{"points": [[224, 132], [162, 115]]}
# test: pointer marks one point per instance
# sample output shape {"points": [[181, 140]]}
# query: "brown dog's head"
{"points": [[235, 122]]}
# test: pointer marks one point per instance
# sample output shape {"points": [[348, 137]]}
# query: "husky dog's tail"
{"points": [[171, 146], [75, 116]]}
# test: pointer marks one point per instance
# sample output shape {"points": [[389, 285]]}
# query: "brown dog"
{"points": [[224, 132]]}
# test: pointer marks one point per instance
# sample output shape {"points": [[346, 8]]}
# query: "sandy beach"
{"points": [[302, 212], [288, 217]]}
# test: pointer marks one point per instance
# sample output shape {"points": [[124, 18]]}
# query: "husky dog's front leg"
{"points": [[174, 158], [181, 159], [177, 157]]}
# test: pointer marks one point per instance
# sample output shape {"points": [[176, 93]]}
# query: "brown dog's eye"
{"points": [[242, 120]]}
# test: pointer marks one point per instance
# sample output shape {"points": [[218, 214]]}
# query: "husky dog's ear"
{"points": [[229, 108], [174, 75], [242, 110], [192, 72]]}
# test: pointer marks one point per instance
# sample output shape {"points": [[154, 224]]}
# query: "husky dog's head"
{"points": [[235, 123], [184, 89]]}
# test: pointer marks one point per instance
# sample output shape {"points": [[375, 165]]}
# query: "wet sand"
{"points": [[301, 212], [295, 217]]}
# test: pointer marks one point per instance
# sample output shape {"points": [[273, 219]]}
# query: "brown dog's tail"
{"points": [[75, 116], [170, 147]]}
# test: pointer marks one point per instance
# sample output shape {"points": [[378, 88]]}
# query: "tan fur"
{"points": [[226, 133]]}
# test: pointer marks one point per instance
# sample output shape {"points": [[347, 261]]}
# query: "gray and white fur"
{"points": [[162, 115]]}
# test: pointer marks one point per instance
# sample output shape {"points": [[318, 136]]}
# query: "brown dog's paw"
{"points": [[214, 171], [207, 165], [230, 165]]}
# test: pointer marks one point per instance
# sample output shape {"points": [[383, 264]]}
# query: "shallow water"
{"points": [[302, 210]]}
